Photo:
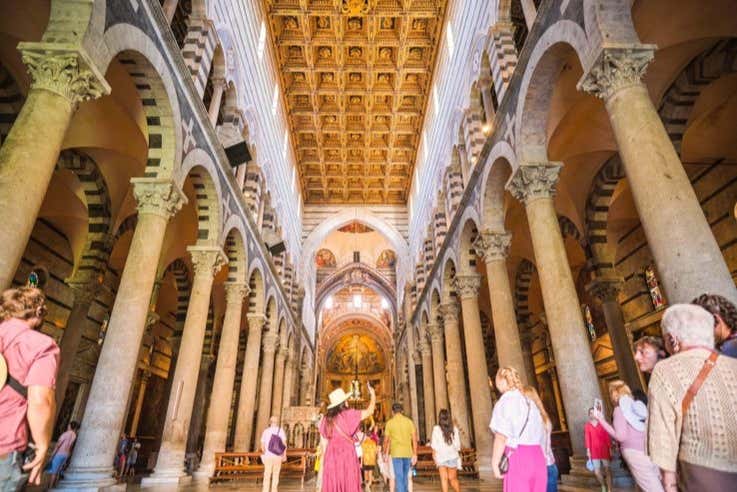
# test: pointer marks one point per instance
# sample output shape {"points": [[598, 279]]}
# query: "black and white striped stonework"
{"points": [[180, 272], [525, 271], [597, 212], [198, 51]]}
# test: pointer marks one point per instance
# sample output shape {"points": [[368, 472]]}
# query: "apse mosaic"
{"points": [[354, 353]]}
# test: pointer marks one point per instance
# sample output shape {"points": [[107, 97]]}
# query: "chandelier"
{"points": [[355, 384]]}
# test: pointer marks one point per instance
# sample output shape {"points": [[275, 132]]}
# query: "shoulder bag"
{"points": [[696, 385], [276, 444], [504, 460]]}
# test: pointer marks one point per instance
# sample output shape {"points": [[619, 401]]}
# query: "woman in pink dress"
{"points": [[341, 468]]}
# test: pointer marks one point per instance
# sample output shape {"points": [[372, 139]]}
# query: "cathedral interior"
{"points": [[235, 208]]}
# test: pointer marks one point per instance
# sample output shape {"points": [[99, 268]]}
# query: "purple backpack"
{"points": [[276, 445]]}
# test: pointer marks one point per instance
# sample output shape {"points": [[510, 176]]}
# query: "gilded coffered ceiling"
{"points": [[356, 76]]}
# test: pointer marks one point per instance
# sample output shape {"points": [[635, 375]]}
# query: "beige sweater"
{"points": [[710, 435]]}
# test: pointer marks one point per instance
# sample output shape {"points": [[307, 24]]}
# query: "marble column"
{"points": [[218, 88], [525, 340], [247, 401], [456, 377], [467, 286], [428, 386], [62, 77], [438, 366], [412, 373], [493, 247], [216, 431], [289, 375], [486, 86], [84, 290], [607, 291], [145, 376], [270, 343], [91, 464], [529, 11], [202, 390], [534, 185], [688, 258], [207, 261], [278, 386]]}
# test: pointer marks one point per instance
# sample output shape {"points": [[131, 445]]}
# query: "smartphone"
{"points": [[598, 405]]}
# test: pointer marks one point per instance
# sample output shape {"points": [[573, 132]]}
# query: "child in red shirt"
{"points": [[598, 451]]}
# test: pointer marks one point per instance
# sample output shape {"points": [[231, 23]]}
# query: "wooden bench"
{"points": [[240, 466], [426, 466]]}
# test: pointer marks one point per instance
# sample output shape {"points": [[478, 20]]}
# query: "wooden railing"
{"points": [[426, 466], [238, 466]]}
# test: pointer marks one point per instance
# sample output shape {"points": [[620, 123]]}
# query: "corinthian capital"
{"points": [[256, 321], [616, 68], [534, 181], [207, 260], [235, 292], [449, 311], [63, 69], [436, 332], [468, 286], [492, 245], [158, 196], [270, 342], [605, 289]]}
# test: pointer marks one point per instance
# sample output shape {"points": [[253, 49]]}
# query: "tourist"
{"points": [[629, 422], [121, 455], [598, 451], [648, 351], [132, 458], [341, 470], [696, 435], [547, 445], [61, 452], [273, 454], [518, 431], [725, 321], [446, 446], [401, 444], [369, 450], [27, 396]]}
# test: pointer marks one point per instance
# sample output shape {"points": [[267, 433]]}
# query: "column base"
{"points": [[91, 480], [203, 473], [173, 476]]}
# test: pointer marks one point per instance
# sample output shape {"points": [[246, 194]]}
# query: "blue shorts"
{"points": [[450, 463], [57, 463]]}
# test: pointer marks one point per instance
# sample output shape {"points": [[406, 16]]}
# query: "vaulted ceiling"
{"points": [[356, 76]]}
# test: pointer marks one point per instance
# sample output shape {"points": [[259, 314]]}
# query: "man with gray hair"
{"points": [[693, 396]]}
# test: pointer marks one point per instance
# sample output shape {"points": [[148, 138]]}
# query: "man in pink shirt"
{"points": [[27, 399]]}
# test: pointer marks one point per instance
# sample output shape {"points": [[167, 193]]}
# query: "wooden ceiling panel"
{"points": [[356, 74]]}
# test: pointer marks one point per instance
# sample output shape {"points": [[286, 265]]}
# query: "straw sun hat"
{"points": [[337, 397]]}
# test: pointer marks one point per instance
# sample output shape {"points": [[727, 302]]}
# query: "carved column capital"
{"points": [[493, 246], [158, 196], [256, 321], [468, 285], [449, 311], [63, 69], [533, 181], [425, 348], [616, 68], [605, 289], [235, 293], [84, 287], [207, 260], [270, 342], [436, 332]]}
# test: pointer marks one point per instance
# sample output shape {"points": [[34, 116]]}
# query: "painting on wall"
{"points": [[387, 259], [324, 258], [588, 320], [653, 286]]}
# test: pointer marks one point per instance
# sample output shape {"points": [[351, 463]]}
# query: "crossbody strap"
{"points": [[343, 433], [696, 385], [10, 380], [527, 419]]}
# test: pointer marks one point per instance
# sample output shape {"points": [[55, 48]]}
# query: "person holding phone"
{"points": [[598, 450]]}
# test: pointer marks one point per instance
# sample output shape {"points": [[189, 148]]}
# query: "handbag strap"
{"points": [[696, 385], [527, 419], [344, 434]]}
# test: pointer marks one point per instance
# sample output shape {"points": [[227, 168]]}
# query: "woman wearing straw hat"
{"points": [[629, 420], [341, 469]]}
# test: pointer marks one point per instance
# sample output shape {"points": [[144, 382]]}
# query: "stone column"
{"points": [[169, 7], [197, 418], [427, 386], [687, 256], [438, 366], [207, 261], [494, 247], [270, 342], [607, 291], [467, 286], [216, 431], [92, 462], [414, 409], [529, 11], [218, 88], [456, 377], [534, 185], [145, 376], [525, 340], [247, 401], [485, 87], [278, 386], [85, 291], [62, 77], [289, 375]]}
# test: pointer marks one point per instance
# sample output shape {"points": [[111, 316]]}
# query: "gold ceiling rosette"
{"points": [[357, 7]]}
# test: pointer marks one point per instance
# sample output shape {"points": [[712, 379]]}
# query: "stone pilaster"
{"points": [[494, 246], [62, 76], [687, 256], [247, 401], [454, 368], [91, 464], [270, 344], [467, 287], [534, 185], [438, 366], [207, 261], [216, 432]]}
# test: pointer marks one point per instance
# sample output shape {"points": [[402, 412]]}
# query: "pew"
{"points": [[241, 466]]}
